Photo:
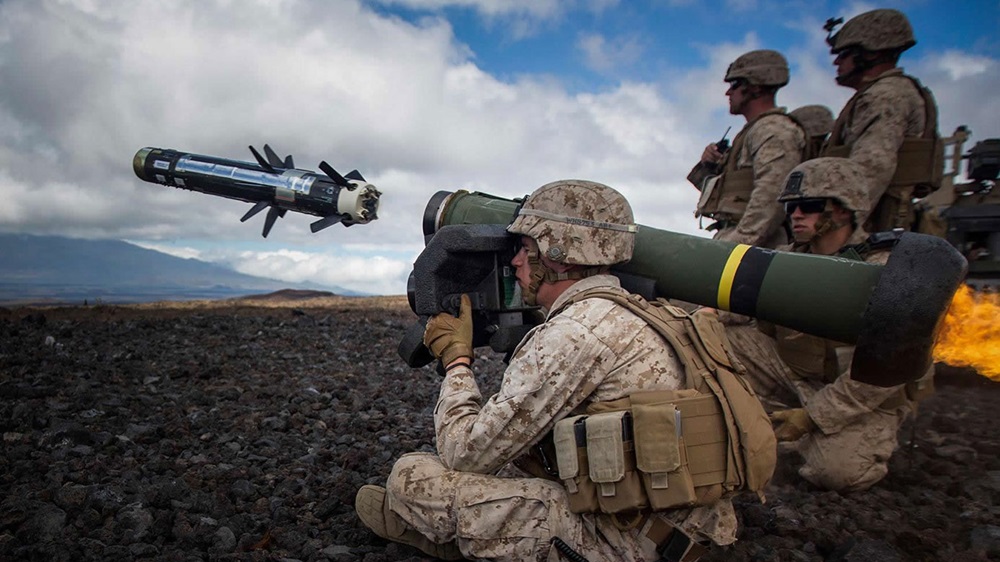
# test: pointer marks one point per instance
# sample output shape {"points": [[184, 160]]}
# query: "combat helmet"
{"points": [[817, 119], [759, 68], [877, 30], [578, 222], [574, 222], [828, 178]]}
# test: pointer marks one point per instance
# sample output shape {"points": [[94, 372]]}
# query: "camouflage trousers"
{"points": [[501, 518], [852, 459]]}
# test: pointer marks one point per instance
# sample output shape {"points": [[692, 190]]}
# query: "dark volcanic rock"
{"points": [[244, 433]]}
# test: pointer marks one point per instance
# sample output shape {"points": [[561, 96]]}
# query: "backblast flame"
{"points": [[970, 334]]}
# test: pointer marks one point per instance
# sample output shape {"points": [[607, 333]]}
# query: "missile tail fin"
{"points": [[334, 175], [258, 207], [272, 157], [325, 222], [260, 160], [272, 215]]}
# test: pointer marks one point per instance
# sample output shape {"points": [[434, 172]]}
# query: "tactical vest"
{"points": [[919, 162], [726, 195], [666, 449]]}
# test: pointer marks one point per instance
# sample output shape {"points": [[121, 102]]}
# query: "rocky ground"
{"points": [[241, 431]]}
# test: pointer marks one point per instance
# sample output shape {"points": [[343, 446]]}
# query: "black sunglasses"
{"points": [[806, 205], [737, 83]]}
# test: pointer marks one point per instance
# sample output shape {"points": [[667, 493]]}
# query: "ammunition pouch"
{"points": [[701, 173], [920, 163], [728, 193], [668, 448], [707, 200]]}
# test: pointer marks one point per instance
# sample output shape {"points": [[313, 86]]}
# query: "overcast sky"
{"points": [[499, 96]]}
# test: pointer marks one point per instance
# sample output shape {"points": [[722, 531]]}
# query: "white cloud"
{"points": [[401, 102], [963, 85], [960, 65], [519, 18], [535, 9], [604, 55], [86, 84]]}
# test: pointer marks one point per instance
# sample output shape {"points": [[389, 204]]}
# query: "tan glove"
{"points": [[450, 338], [793, 424]]}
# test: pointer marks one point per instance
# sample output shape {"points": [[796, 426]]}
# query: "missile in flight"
{"points": [[269, 183]]}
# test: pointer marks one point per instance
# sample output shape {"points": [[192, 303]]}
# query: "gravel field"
{"points": [[242, 430]]}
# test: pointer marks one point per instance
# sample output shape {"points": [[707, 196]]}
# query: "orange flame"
{"points": [[970, 334]]}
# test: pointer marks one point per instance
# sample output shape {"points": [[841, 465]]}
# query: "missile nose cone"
{"points": [[139, 163]]}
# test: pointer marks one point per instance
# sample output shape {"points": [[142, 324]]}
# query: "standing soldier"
{"points": [[739, 187], [846, 430], [889, 126], [589, 354]]}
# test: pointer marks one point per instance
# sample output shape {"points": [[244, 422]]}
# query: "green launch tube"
{"points": [[892, 312]]}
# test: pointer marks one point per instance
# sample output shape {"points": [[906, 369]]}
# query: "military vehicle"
{"points": [[967, 214]]}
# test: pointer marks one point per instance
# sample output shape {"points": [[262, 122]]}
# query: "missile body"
{"points": [[273, 183], [891, 313]]}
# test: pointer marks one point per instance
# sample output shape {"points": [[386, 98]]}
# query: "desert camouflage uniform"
{"points": [[772, 144], [857, 422], [593, 350], [886, 109]]}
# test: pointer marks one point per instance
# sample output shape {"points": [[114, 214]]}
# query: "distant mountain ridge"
{"points": [[54, 269]]}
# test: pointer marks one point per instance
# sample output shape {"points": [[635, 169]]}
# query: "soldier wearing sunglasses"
{"points": [[739, 184], [845, 430]]}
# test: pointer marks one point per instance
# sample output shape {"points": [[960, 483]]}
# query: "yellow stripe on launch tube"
{"points": [[729, 273]]}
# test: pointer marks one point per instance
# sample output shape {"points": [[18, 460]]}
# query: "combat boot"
{"points": [[374, 512]]}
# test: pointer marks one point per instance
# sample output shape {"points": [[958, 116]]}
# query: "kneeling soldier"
{"points": [[589, 445], [847, 428]]}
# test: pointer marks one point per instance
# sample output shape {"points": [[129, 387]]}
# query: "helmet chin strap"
{"points": [[856, 72], [826, 223], [747, 97], [862, 63], [537, 272], [541, 273]]}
